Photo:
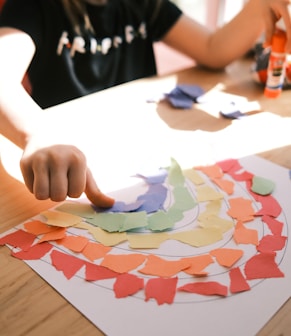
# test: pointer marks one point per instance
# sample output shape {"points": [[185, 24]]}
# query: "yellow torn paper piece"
{"points": [[206, 193], [61, 219], [78, 209], [146, 241], [208, 221], [107, 238], [192, 175], [198, 237]]}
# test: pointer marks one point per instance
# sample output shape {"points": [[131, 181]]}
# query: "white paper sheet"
{"points": [[242, 314]]}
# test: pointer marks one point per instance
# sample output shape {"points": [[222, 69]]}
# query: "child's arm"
{"points": [[233, 40], [50, 170]]}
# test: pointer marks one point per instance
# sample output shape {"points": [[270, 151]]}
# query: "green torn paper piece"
{"points": [[134, 220], [175, 215], [183, 199], [160, 221], [110, 222], [262, 186], [175, 174], [119, 222]]}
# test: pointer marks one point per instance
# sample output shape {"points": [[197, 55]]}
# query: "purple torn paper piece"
{"points": [[183, 95], [192, 91], [231, 111], [153, 199]]}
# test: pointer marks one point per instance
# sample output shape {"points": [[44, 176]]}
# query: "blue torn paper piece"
{"points": [[123, 207], [183, 95], [154, 178]]}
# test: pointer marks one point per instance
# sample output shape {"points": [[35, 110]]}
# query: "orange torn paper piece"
{"points": [[74, 243], [198, 237], [205, 288], [241, 209], [123, 263], [270, 243], [212, 171], [95, 272], [206, 193], [37, 227], [243, 235], [127, 284], [57, 234], [35, 252], [227, 257], [237, 281], [163, 290], [61, 219], [225, 185], [261, 266], [146, 241], [94, 251], [198, 264], [163, 268], [66, 263], [19, 238]]}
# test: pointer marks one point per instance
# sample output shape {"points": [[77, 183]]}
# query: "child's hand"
{"points": [[59, 171], [273, 10]]}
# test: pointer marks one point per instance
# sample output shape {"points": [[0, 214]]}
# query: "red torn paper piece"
{"points": [[261, 266], [230, 165], [35, 252], [127, 284], [163, 268], [274, 225], [96, 272], [94, 251], [123, 263], [270, 243], [19, 238], [66, 263], [245, 176], [37, 227], [74, 243], [270, 206], [241, 209], [237, 281], [227, 257], [205, 288], [163, 290]]}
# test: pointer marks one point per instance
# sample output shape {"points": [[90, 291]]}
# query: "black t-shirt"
{"points": [[67, 66]]}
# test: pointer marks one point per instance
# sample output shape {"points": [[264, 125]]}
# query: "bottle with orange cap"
{"points": [[276, 67]]}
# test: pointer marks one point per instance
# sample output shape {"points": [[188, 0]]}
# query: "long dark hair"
{"points": [[78, 16]]}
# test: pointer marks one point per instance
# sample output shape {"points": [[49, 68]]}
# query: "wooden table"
{"points": [[99, 125]]}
